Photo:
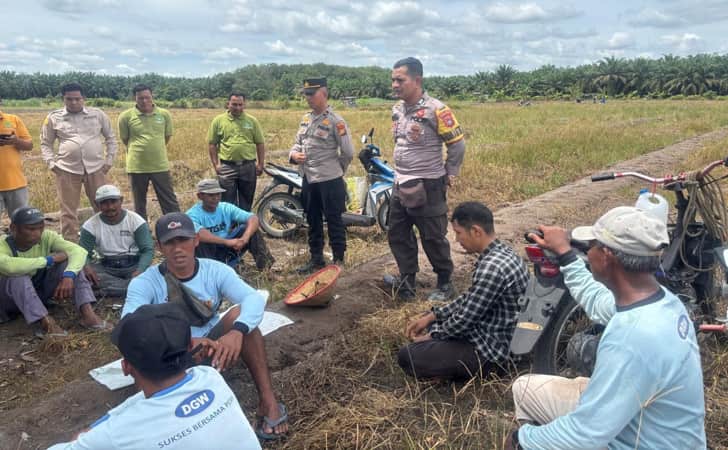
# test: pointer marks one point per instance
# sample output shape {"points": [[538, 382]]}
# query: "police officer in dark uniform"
{"points": [[421, 125], [323, 150]]}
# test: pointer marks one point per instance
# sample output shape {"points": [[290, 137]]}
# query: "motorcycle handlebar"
{"points": [[664, 180], [602, 177]]}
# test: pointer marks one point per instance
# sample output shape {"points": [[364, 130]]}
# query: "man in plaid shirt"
{"points": [[472, 334]]}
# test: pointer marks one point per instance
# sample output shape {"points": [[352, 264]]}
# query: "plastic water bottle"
{"points": [[654, 204]]}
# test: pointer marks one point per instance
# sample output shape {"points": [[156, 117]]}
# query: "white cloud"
{"points": [[653, 18], [620, 40], [685, 42], [129, 52], [103, 31], [125, 68], [57, 65], [400, 13], [527, 12], [279, 48], [225, 53]]}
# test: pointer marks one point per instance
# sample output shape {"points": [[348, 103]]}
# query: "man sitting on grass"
{"points": [[646, 390], [37, 265], [199, 286], [122, 240], [472, 334], [225, 231], [191, 409]]}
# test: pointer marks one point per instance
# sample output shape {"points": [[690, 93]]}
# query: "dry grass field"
{"points": [[352, 395]]}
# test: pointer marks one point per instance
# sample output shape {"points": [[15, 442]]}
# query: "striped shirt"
{"points": [[486, 314]]}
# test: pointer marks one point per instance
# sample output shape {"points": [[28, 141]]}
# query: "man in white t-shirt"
{"points": [[122, 240], [174, 408]]}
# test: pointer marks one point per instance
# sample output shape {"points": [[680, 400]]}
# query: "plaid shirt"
{"points": [[485, 315]]}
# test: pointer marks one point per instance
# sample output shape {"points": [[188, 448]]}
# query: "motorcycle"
{"points": [[554, 328], [280, 212]]}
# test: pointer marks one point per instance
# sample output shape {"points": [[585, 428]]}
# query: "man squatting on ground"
{"points": [[646, 390], [174, 408], [323, 151], [121, 239], [225, 231], [82, 133], [146, 130], [421, 125], [199, 285], [471, 335], [14, 138], [235, 141], [37, 265]]}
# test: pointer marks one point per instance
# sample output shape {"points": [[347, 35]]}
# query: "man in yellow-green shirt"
{"points": [[145, 130], [235, 144]]}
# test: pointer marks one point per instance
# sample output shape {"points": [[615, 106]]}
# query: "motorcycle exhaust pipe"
{"points": [[288, 214]]}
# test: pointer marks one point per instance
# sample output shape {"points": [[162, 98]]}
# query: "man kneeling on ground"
{"points": [[199, 286], [472, 334], [122, 241], [37, 265], [226, 231], [190, 409], [646, 390]]}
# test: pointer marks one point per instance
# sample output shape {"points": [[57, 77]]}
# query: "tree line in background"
{"points": [[702, 75]]}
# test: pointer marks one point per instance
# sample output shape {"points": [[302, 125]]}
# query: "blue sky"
{"points": [[455, 37]]}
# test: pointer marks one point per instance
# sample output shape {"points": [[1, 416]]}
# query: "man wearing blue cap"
{"points": [[37, 265]]}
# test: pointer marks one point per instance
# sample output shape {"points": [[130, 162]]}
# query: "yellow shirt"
{"points": [[11, 175]]}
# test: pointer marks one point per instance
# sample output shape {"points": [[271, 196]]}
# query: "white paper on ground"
{"points": [[111, 375]]}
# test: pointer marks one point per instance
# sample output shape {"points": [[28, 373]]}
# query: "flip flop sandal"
{"points": [[43, 335], [263, 421], [103, 326]]}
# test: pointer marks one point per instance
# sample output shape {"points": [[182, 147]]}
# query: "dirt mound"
{"points": [[57, 416]]}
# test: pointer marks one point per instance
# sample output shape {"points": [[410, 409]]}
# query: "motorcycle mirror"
{"points": [[371, 133], [363, 138]]}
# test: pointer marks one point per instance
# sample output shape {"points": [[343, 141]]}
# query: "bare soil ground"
{"points": [[43, 395]]}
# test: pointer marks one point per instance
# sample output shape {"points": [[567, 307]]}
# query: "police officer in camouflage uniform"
{"points": [[323, 150], [421, 125]]}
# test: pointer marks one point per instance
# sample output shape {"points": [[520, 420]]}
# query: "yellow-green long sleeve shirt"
{"points": [[28, 262]]}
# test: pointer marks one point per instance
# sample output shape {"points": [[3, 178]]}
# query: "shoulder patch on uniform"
{"points": [[45, 122], [447, 126], [325, 122], [341, 127]]}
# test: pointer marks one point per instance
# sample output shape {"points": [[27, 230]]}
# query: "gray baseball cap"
{"points": [[627, 229], [106, 192], [209, 186]]}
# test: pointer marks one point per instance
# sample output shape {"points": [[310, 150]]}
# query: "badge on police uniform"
{"points": [[341, 127]]}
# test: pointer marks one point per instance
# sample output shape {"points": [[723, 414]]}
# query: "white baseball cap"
{"points": [[106, 192], [627, 229]]}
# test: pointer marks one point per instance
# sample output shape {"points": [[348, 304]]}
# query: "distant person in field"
{"points": [[86, 149], [175, 407], [146, 130], [122, 241], [323, 151], [14, 138], [225, 231], [421, 126], [200, 285], [471, 335], [37, 265], [237, 152]]}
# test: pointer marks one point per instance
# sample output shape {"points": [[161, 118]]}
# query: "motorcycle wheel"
{"points": [[269, 222], [550, 352], [383, 215]]}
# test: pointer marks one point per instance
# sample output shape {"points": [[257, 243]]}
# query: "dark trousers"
{"points": [[239, 181], [256, 246], [431, 221], [162, 183], [451, 359], [325, 199]]}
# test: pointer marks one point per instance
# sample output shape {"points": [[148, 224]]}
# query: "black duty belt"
{"points": [[237, 163]]}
